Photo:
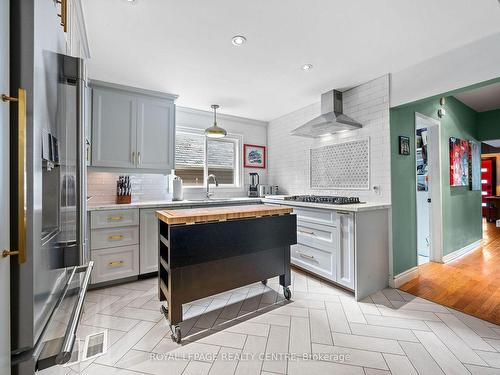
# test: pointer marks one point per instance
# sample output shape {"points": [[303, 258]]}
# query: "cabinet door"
{"points": [[148, 241], [155, 134], [345, 253], [87, 111], [113, 128]]}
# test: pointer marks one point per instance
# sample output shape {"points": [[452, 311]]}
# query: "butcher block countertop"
{"points": [[206, 214]]}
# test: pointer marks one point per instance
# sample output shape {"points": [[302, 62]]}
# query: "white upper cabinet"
{"points": [[155, 134], [76, 32], [132, 128], [113, 129]]}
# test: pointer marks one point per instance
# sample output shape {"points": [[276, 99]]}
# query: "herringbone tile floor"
{"points": [[252, 330]]}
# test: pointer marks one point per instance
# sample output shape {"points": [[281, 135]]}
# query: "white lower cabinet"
{"points": [[114, 237], [319, 261], [325, 244], [115, 263], [345, 252], [148, 241]]}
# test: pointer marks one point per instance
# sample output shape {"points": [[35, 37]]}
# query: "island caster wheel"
{"points": [[264, 282], [176, 334], [287, 293], [164, 311]]}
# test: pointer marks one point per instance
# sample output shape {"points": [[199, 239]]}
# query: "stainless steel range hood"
{"points": [[332, 119]]}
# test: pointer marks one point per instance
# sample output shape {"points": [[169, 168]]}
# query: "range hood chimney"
{"points": [[332, 118]]}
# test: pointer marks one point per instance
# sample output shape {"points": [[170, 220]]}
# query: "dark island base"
{"points": [[201, 260]]}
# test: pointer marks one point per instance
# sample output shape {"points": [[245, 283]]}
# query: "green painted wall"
{"points": [[489, 125], [462, 223]]}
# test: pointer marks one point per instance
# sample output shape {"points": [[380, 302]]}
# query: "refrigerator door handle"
{"points": [[69, 340], [21, 176]]}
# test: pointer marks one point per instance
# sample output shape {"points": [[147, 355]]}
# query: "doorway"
{"points": [[428, 189]]}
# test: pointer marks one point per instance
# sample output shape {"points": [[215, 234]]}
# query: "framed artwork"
{"points": [[459, 162], [254, 156], [474, 165], [404, 145]]}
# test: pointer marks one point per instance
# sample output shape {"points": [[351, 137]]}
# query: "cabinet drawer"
{"points": [[113, 237], [315, 235], [315, 215], [114, 218], [318, 261], [115, 263]]}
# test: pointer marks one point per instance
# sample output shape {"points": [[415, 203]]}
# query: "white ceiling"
{"points": [[494, 143], [184, 46], [486, 98]]}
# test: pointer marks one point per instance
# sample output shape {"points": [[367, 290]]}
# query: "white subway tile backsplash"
{"points": [[145, 187], [288, 156]]}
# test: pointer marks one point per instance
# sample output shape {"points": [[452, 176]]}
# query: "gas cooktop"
{"points": [[327, 199]]}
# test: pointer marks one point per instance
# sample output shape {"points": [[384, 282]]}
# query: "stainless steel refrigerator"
{"points": [[49, 274]]}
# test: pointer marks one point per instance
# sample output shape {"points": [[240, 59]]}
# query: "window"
{"points": [[197, 156], [190, 158]]}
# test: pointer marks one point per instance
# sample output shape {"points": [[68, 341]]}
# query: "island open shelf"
{"points": [[207, 251]]}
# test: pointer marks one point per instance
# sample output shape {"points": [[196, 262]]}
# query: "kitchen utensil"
{"points": [[263, 190], [254, 183]]}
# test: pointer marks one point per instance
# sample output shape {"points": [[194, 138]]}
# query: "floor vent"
{"points": [[95, 345]]}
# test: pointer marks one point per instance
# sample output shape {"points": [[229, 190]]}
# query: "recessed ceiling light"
{"points": [[306, 67], [238, 40]]}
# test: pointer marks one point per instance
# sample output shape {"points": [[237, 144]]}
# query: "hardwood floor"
{"points": [[470, 284]]}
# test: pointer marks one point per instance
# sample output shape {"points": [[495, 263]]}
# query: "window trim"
{"points": [[231, 137]]}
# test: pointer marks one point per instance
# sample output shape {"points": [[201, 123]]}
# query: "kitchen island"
{"points": [[210, 250]]}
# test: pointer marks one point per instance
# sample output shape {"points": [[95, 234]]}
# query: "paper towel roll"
{"points": [[177, 193]]}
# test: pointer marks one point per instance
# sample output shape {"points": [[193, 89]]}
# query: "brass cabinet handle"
{"points": [[307, 256], [64, 14], [117, 263], [133, 158], [306, 232], [115, 218], [139, 157], [115, 238], [21, 176]]}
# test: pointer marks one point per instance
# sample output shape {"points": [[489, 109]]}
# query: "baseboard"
{"points": [[461, 252], [403, 277]]}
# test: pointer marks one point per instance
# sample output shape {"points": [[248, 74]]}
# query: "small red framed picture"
{"points": [[254, 156]]}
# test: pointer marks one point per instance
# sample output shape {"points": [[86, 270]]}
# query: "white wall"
{"points": [[473, 63], [150, 187], [251, 131], [289, 155]]}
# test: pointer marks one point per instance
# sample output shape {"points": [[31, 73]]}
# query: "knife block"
{"points": [[123, 199]]}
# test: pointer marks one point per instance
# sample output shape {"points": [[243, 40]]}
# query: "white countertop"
{"points": [[167, 203], [278, 199], [360, 207]]}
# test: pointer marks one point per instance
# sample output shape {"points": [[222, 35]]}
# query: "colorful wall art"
{"points": [[459, 162], [474, 165], [254, 156]]}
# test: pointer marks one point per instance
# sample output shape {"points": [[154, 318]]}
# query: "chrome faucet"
{"points": [[209, 193]]}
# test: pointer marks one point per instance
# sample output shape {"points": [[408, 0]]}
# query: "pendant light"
{"points": [[215, 131]]}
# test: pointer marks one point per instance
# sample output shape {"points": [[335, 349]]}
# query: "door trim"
{"points": [[436, 194]]}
